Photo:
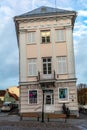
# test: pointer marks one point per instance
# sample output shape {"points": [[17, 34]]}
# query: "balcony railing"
{"points": [[42, 76]]}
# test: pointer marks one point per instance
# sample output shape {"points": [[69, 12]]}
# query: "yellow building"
{"points": [[14, 90]]}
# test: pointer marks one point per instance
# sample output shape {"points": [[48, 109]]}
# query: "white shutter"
{"points": [[60, 36], [32, 67], [31, 37], [62, 65]]}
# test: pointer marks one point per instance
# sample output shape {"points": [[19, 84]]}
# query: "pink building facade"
{"points": [[46, 60]]}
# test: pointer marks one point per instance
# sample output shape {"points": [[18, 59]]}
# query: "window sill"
{"points": [[31, 43], [63, 74], [45, 42], [60, 41], [63, 101], [32, 104], [31, 76]]}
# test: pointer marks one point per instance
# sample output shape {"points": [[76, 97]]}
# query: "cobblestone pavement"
{"points": [[34, 125], [12, 122]]}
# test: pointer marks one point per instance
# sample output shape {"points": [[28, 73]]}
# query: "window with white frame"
{"points": [[47, 66], [32, 67], [61, 65], [45, 36], [31, 37], [63, 94], [32, 96], [60, 35]]}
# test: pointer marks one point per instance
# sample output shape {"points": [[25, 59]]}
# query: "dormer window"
{"points": [[43, 10]]}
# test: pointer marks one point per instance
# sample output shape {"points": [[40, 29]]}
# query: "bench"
{"points": [[31, 115], [56, 116]]}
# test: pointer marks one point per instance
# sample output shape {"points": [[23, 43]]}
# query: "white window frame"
{"points": [[31, 37], [61, 100], [46, 63], [32, 63], [28, 95], [61, 65], [60, 35]]}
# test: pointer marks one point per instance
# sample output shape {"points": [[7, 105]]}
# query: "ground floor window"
{"points": [[32, 95], [63, 94]]}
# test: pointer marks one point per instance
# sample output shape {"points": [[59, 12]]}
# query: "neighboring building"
{"points": [[14, 90], [2, 94], [10, 97], [82, 94], [46, 60]]}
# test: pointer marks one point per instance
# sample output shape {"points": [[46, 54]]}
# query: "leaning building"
{"points": [[46, 60]]}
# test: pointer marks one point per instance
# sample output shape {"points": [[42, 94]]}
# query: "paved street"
{"points": [[12, 122], [30, 125]]}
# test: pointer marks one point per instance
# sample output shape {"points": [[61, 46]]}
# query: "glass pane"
{"points": [[62, 93], [48, 39], [33, 96], [43, 34], [49, 60], [47, 33], [44, 60], [44, 72], [48, 99], [43, 39]]}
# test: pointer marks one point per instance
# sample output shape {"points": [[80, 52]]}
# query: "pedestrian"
{"points": [[64, 108], [67, 112]]}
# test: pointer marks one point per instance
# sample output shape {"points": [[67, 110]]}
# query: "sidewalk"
{"points": [[34, 125]]}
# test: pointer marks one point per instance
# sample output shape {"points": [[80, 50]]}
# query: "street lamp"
{"points": [[43, 87]]}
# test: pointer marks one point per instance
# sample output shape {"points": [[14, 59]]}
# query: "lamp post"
{"points": [[43, 87]]}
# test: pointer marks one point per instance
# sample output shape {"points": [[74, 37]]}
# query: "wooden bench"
{"points": [[31, 115], [56, 116]]}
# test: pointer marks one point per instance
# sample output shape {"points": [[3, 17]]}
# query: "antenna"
{"points": [[55, 10], [55, 5]]}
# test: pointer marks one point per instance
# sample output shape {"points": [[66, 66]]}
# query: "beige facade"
{"points": [[46, 59]]}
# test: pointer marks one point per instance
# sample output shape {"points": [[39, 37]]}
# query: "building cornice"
{"points": [[56, 81]]}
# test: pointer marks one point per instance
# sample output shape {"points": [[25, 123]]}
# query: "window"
{"points": [[62, 65], [31, 37], [60, 35], [32, 96], [45, 35], [46, 65], [63, 94], [32, 67]]}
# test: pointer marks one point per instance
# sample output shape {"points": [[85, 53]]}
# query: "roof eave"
{"points": [[17, 18]]}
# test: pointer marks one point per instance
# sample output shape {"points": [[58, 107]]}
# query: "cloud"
{"points": [[80, 60], [8, 56], [80, 30], [85, 21], [7, 11], [82, 13]]}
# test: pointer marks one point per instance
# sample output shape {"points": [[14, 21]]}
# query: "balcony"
{"points": [[46, 77]]}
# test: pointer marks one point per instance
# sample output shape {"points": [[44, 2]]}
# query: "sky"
{"points": [[9, 55]]}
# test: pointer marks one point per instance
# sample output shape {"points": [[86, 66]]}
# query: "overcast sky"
{"points": [[9, 70]]}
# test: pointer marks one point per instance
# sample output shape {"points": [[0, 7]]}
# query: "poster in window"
{"points": [[33, 96], [63, 93]]}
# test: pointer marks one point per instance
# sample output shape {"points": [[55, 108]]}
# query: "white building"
{"points": [[46, 59]]}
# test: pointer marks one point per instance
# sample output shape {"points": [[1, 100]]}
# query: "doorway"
{"points": [[48, 101]]}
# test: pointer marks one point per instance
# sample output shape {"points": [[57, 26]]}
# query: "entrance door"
{"points": [[49, 101]]}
